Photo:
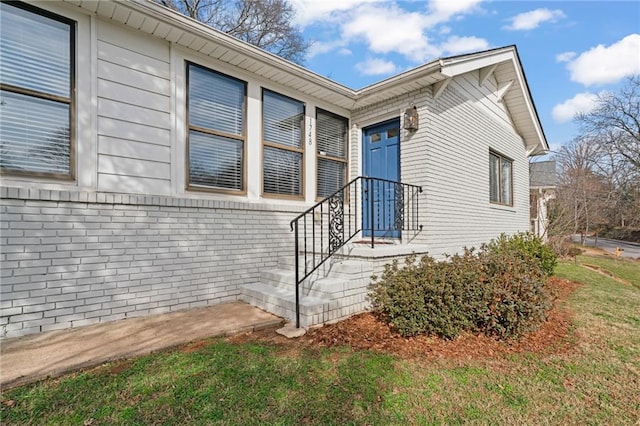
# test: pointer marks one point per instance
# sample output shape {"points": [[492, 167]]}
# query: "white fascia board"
{"points": [[459, 65], [541, 146]]}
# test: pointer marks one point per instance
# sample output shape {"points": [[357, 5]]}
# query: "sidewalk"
{"points": [[34, 357]]}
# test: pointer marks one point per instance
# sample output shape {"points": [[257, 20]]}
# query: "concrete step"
{"points": [[278, 277], [282, 302], [332, 267]]}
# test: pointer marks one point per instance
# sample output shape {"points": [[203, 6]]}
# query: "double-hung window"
{"points": [[283, 145], [216, 139], [500, 179], [331, 139], [37, 56]]}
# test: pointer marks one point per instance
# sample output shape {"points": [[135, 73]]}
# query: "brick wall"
{"points": [[72, 258]]}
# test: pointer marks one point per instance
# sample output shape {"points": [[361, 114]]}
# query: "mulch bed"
{"points": [[368, 332]]}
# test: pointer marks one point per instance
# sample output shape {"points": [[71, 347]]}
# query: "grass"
{"points": [[220, 382], [627, 269]]}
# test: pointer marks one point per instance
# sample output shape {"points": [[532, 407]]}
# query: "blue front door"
{"points": [[381, 156]]}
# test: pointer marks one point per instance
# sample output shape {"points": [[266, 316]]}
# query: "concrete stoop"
{"points": [[338, 289], [335, 291]]}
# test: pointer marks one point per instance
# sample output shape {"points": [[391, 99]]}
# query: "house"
{"points": [[543, 180], [150, 164]]}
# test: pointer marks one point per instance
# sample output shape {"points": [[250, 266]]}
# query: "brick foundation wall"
{"points": [[73, 258]]}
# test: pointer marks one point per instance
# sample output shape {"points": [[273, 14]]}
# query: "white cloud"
{"points": [[390, 29], [443, 10], [455, 45], [345, 52], [309, 11], [607, 64], [409, 35], [580, 103], [376, 67], [533, 19], [320, 47], [386, 27], [565, 56]]}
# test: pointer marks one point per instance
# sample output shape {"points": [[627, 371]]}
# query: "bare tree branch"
{"points": [[263, 23]]}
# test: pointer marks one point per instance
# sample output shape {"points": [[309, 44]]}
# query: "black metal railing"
{"points": [[377, 208]]}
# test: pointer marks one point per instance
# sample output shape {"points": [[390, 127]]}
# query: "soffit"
{"points": [[151, 18]]}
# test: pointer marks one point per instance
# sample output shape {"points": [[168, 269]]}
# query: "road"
{"points": [[631, 250]]}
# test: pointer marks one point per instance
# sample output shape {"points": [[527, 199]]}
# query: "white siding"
{"points": [[134, 112], [449, 157]]}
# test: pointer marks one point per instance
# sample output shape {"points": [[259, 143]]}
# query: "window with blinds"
{"points": [[283, 145], [37, 53], [500, 179], [331, 140], [216, 120]]}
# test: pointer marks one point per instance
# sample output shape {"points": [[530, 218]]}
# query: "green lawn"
{"points": [[220, 382], [626, 269]]}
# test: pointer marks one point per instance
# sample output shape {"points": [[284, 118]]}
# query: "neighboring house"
{"points": [[543, 180], [151, 163]]}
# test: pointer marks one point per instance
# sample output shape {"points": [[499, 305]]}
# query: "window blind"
{"points": [[283, 120], [35, 106], [35, 51], [216, 136], [216, 102], [331, 134], [282, 171], [283, 124], [331, 139], [215, 161]]}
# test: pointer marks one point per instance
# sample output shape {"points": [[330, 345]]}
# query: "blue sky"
{"points": [[570, 50]]}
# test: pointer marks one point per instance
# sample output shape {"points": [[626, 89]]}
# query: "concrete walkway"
{"points": [[34, 357]]}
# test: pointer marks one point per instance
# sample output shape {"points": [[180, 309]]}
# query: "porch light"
{"points": [[411, 119]]}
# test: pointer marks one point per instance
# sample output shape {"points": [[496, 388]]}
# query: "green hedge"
{"points": [[499, 290]]}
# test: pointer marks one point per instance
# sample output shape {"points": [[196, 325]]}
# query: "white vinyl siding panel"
{"points": [[134, 112], [133, 149]]}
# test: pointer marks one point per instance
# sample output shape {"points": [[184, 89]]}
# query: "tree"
{"points": [[599, 180], [583, 190], [263, 23], [617, 118]]}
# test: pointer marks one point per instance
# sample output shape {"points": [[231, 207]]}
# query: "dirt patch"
{"points": [[118, 367], [368, 332], [193, 346]]}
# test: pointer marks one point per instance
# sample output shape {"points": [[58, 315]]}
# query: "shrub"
{"points": [[525, 244], [430, 297], [500, 290], [517, 296]]}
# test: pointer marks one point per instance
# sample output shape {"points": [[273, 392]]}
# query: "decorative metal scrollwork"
{"points": [[398, 193], [336, 222]]}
